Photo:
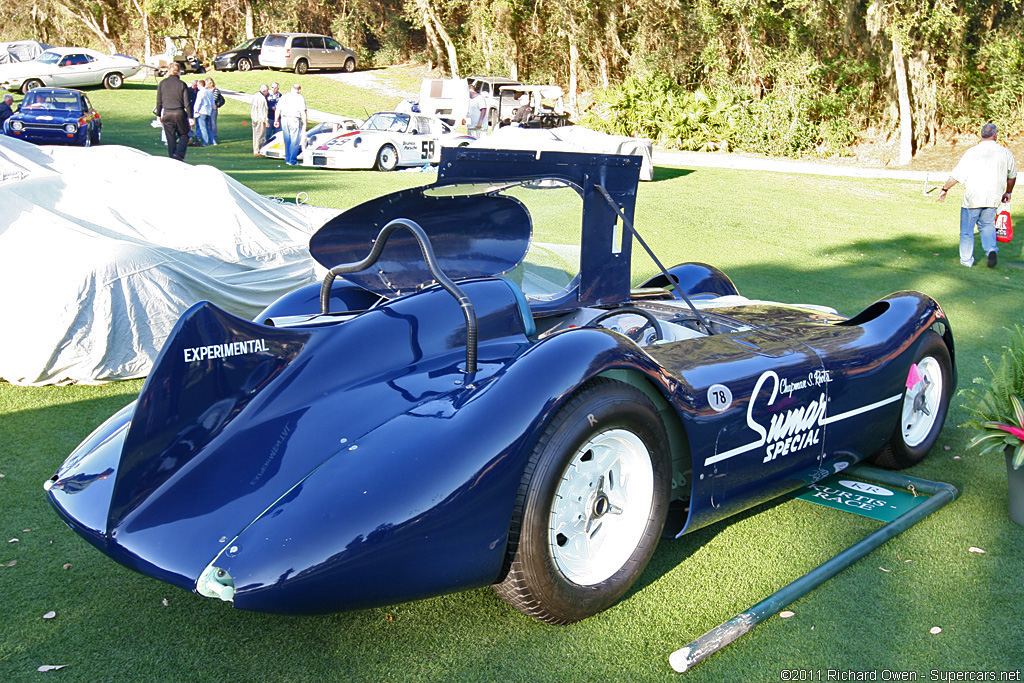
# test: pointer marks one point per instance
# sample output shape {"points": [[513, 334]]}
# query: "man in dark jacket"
{"points": [[174, 107], [6, 110]]}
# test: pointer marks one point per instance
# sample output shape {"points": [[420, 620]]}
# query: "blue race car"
{"points": [[476, 395], [55, 116]]}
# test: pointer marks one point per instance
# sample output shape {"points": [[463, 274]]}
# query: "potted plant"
{"points": [[997, 413]]}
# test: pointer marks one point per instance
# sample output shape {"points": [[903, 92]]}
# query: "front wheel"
{"points": [[301, 66], [925, 403], [113, 81], [591, 505], [30, 84], [244, 64], [387, 158]]}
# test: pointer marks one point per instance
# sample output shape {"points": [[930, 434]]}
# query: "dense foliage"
{"points": [[776, 76]]}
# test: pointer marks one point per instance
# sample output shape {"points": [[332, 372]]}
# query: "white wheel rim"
{"points": [[387, 159], [921, 403], [601, 507]]}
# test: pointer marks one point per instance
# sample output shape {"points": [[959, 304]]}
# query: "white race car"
{"points": [[68, 67], [274, 147], [386, 141]]}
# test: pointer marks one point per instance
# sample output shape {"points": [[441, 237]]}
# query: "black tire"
{"points": [[603, 429], [30, 84], [923, 409], [387, 158], [301, 66], [244, 64], [200, 69], [113, 80], [350, 65], [94, 137]]}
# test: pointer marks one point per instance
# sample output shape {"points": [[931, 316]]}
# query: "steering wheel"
{"points": [[637, 333]]}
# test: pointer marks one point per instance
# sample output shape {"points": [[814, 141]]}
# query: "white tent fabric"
{"points": [[571, 139], [100, 254]]}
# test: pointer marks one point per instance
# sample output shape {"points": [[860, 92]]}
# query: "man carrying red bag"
{"points": [[988, 173]]}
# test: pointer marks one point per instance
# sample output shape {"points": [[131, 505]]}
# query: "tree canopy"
{"points": [[781, 76]]}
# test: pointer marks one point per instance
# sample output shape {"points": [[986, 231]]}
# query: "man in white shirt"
{"points": [[290, 116], [475, 114], [988, 173]]}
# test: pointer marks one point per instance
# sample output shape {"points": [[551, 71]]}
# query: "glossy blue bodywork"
{"points": [[338, 461], [55, 116]]}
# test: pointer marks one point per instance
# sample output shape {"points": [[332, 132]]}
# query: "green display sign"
{"points": [[864, 498]]}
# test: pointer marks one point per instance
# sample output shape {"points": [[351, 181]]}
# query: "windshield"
{"points": [[552, 262], [395, 123], [50, 100], [48, 58]]}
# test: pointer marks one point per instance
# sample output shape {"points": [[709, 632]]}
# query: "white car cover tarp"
{"points": [[571, 139], [100, 254], [21, 51]]}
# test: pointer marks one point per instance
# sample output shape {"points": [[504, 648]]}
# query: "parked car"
{"points": [[467, 399], [68, 66], [490, 88], [385, 141], [243, 57], [55, 116], [318, 134], [301, 52]]}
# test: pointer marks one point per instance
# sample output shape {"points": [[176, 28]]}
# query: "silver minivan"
{"points": [[304, 51]]}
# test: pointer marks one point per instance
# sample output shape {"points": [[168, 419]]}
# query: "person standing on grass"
{"points": [[475, 114], [988, 173], [273, 97], [290, 116], [218, 102], [174, 109], [259, 112], [204, 110]]}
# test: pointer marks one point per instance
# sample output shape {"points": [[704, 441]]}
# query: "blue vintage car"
{"points": [[55, 116], [478, 395]]}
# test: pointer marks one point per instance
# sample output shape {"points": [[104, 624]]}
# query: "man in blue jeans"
{"points": [[988, 173], [290, 117]]}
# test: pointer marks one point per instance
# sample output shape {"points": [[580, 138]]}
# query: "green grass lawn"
{"points": [[841, 242]]}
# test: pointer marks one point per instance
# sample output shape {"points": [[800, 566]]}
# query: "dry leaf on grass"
{"points": [[67, 566], [786, 614], [51, 667], [49, 615], [935, 630], [974, 549], [164, 602], [12, 563], [13, 540], [885, 570]]}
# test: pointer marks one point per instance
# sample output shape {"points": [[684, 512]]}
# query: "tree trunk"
{"points": [[903, 90], [574, 71], [89, 22], [449, 45], [250, 28], [144, 14]]}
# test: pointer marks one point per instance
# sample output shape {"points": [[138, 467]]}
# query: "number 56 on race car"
{"points": [[386, 141]]}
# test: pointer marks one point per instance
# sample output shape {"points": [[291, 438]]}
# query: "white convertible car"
{"points": [[386, 141], [68, 67]]}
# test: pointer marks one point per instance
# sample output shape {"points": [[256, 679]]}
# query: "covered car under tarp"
{"points": [[571, 139], [21, 51], [100, 254]]}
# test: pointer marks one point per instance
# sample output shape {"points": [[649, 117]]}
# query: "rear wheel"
{"points": [[387, 158], [591, 505], [350, 65], [30, 84], [924, 407], [244, 64], [113, 80], [301, 66], [94, 136]]}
